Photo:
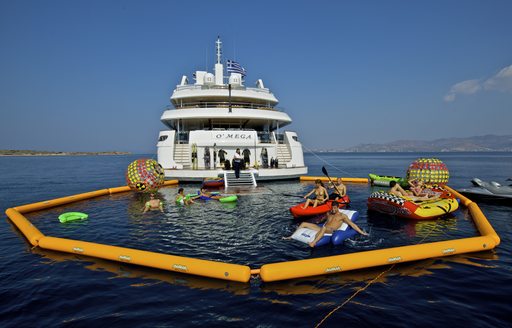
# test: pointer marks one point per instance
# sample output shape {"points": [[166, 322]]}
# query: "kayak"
{"points": [[72, 216], [384, 180], [298, 212], [213, 183], [406, 207], [307, 235]]}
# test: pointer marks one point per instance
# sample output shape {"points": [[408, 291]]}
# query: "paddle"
{"points": [[324, 171]]}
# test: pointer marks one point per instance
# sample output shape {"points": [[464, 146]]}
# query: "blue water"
{"points": [[44, 288]]}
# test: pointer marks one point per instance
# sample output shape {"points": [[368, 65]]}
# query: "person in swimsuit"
{"points": [[334, 221], [397, 190], [339, 190], [320, 193], [205, 193], [182, 199], [153, 204]]}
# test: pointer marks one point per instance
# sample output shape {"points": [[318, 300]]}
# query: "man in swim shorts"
{"points": [[334, 221], [153, 204], [339, 190]]}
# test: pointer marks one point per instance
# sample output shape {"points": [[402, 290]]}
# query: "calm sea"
{"points": [[45, 289]]}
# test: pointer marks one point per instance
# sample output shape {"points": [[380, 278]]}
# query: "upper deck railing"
{"points": [[223, 104], [221, 87]]}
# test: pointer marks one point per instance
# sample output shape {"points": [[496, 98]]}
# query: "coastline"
{"points": [[11, 153]]}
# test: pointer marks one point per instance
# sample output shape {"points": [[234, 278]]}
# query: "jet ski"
{"points": [[489, 191]]}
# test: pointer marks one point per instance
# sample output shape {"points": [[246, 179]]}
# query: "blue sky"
{"points": [[96, 75]]}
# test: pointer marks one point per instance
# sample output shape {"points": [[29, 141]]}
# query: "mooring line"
{"points": [[327, 163], [367, 285], [354, 295]]}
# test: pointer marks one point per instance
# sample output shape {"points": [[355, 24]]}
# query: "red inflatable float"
{"points": [[298, 212], [213, 183]]}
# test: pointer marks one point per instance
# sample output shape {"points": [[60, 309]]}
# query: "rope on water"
{"points": [[366, 286], [354, 295], [327, 163]]}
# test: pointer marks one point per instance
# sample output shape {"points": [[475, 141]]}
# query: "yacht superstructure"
{"points": [[212, 118]]}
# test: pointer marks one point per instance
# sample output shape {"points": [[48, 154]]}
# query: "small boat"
{"points": [[298, 212], [384, 180], [407, 207], [489, 191], [72, 216], [307, 235], [213, 182]]}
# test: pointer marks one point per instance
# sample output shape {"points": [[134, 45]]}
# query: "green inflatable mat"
{"points": [[228, 199], [72, 216]]}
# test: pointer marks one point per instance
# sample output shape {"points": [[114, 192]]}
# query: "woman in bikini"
{"points": [[320, 193]]}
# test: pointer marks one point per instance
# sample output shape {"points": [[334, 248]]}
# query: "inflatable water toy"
{"points": [[412, 209], [213, 182], [228, 199], [489, 191], [145, 175], [487, 240], [297, 211], [307, 235], [428, 170], [384, 180], [223, 199], [72, 216]]}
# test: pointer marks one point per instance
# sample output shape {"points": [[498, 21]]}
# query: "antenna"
{"points": [[219, 49]]}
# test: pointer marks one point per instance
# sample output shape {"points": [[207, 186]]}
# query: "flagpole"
{"points": [[229, 87]]}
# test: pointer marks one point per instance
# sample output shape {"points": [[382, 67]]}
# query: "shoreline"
{"points": [[28, 153]]}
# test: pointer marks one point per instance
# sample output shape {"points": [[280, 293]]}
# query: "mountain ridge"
{"points": [[485, 143]]}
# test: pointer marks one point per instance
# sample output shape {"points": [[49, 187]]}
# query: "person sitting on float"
{"points": [[205, 193], [182, 199], [153, 204], [419, 189], [397, 190], [320, 193], [334, 221], [339, 189]]}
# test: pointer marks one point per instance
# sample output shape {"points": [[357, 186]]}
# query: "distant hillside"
{"points": [[469, 144], [12, 152]]}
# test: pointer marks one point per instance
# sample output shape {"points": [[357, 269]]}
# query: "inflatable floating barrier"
{"points": [[408, 208], [488, 240], [213, 183], [307, 235], [297, 211], [384, 180], [72, 216]]}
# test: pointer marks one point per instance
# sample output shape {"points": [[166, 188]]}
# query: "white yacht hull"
{"points": [[187, 175]]}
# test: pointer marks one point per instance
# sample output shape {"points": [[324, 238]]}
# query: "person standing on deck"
{"points": [[237, 163]]}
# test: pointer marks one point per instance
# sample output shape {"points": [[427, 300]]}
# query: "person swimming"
{"points": [[182, 199], [153, 204]]}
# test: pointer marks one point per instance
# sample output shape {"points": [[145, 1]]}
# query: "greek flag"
{"points": [[234, 67]]}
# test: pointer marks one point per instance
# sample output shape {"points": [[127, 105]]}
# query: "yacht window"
{"points": [[162, 138], [295, 138]]}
